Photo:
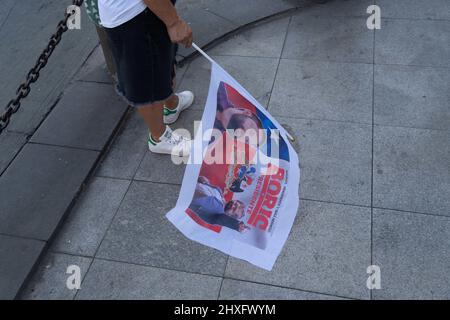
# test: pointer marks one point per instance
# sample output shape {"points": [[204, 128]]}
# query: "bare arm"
{"points": [[179, 31], [164, 9]]}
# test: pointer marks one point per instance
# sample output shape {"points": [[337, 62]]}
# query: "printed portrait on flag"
{"points": [[242, 197], [223, 193]]}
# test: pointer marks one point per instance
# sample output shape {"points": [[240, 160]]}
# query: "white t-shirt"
{"points": [[113, 13]]}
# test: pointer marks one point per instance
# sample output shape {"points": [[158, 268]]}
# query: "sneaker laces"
{"points": [[175, 139]]}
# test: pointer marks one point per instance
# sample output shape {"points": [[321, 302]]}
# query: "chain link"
{"points": [[33, 75]]}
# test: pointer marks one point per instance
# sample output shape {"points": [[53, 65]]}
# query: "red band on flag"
{"points": [[199, 221]]}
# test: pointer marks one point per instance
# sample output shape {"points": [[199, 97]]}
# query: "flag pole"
{"points": [[203, 53]]}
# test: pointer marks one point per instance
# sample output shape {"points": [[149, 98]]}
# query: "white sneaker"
{"points": [[185, 100], [170, 143]]}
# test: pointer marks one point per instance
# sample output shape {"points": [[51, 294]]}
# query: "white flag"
{"points": [[240, 189]]}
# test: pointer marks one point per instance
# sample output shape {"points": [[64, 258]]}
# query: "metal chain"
{"points": [[33, 75]]}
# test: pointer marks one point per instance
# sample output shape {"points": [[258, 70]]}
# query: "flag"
{"points": [[240, 189]]}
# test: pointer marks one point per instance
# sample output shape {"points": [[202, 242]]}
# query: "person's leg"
{"points": [[163, 66], [153, 117], [177, 102], [172, 102], [161, 138], [174, 76], [138, 67]]}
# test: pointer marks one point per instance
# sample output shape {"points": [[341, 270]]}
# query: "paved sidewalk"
{"points": [[25, 28], [371, 114], [64, 127]]}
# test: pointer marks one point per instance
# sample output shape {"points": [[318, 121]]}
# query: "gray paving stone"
{"points": [[412, 96], [335, 158], [141, 234], [412, 251], [254, 74], [223, 16], [94, 69], [29, 116], [196, 79], [160, 168], [49, 282], [84, 118], [243, 12], [127, 151], [327, 251], [18, 256], [242, 290], [340, 8], [5, 11], [42, 182], [418, 42], [323, 90], [264, 40], [27, 31], [114, 280], [10, 144], [180, 72], [341, 39], [415, 9], [99, 75], [87, 223], [411, 170], [198, 19]]}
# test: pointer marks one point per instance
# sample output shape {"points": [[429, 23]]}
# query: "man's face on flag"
{"points": [[240, 118], [245, 123], [235, 209]]}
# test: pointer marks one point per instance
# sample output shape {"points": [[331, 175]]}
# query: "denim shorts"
{"points": [[145, 59]]}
